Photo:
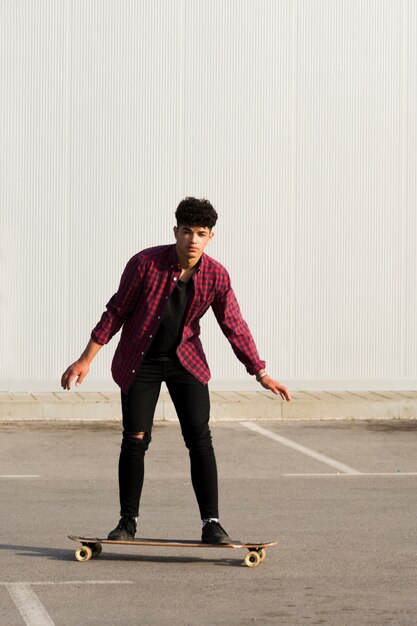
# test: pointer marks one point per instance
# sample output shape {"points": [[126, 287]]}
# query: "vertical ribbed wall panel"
{"points": [[297, 119], [33, 236]]}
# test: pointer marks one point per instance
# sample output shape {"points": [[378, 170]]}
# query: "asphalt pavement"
{"points": [[340, 498]]}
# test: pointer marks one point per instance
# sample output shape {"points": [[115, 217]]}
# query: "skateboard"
{"points": [[92, 547]]}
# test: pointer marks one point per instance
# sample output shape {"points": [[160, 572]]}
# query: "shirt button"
{"points": [[133, 371], [175, 278], [150, 336], [142, 353], [159, 317]]}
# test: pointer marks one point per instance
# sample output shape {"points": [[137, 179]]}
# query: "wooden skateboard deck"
{"points": [[92, 547]]}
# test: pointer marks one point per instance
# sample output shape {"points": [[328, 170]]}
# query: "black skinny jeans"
{"points": [[192, 404]]}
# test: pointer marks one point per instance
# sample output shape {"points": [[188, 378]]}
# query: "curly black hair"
{"points": [[196, 212]]}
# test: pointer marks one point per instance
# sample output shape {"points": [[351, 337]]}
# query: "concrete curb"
{"points": [[225, 406]]}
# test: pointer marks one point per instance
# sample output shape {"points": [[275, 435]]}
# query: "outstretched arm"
{"points": [[79, 369], [229, 317], [118, 310]]}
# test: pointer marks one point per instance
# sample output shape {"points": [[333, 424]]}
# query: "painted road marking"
{"points": [[71, 582], [341, 467], [31, 608], [346, 475], [19, 476], [28, 604]]}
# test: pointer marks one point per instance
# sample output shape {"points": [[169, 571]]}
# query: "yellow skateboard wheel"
{"points": [[252, 559], [83, 554]]}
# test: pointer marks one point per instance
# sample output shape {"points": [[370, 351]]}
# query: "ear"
{"points": [[175, 229], [211, 234]]}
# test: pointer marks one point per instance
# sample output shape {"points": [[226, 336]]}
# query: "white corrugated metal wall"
{"points": [[296, 118]]}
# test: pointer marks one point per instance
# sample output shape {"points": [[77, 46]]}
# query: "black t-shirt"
{"points": [[169, 333]]}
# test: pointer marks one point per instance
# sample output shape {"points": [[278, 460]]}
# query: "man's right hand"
{"points": [[79, 370]]}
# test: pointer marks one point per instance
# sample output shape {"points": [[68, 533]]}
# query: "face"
{"points": [[191, 240]]}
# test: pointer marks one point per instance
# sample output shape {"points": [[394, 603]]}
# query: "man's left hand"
{"points": [[273, 385]]}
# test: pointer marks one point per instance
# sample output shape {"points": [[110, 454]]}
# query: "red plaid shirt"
{"points": [[138, 305]]}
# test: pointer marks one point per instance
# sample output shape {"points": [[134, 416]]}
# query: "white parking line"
{"points": [[19, 476], [341, 467], [346, 475], [29, 606], [71, 582]]}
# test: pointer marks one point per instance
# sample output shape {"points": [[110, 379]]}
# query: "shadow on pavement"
{"points": [[67, 554]]}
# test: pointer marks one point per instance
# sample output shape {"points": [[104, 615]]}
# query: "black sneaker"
{"points": [[124, 531], [214, 533]]}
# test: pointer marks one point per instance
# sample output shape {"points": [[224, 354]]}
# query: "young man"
{"points": [[163, 293]]}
